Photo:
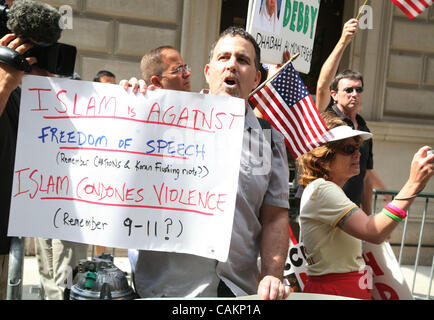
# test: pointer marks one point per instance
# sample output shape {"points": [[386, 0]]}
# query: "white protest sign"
{"points": [[384, 276], [388, 280], [98, 165], [295, 265], [279, 25]]}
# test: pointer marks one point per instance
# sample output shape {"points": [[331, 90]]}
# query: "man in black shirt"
{"points": [[10, 78], [345, 90], [8, 139], [354, 187]]}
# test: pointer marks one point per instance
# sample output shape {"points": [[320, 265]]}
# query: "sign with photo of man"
{"points": [[279, 25]]}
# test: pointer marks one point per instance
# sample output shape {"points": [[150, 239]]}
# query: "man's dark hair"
{"points": [[347, 74], [103, 73], [240, 32]]}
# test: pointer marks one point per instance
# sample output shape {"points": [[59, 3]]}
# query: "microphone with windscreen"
{"points": [[39, 23]]}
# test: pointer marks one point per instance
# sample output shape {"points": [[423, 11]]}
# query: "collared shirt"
{"points": [[261, 181], [353, 188], [267, 22], [328, 248]]}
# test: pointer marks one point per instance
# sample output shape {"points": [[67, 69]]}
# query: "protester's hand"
{"points": [[136, 85], [285, 58], [10, 77], [350, 29], [274, 68], [272, 288], [422, 168]]}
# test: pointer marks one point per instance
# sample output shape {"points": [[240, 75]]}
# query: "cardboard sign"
{"points": [[388, 281], [384, 276], [99, 165], [279, 25], [296, 264]]}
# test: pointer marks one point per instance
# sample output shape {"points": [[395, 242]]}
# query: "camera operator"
{"points": [[66, 253], [10, 93]]}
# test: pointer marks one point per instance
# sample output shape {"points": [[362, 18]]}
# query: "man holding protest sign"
{"points": [[234, 70], [261, 215], [163, 68]]}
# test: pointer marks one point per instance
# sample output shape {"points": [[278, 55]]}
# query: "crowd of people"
{"points": [[337, 177]]}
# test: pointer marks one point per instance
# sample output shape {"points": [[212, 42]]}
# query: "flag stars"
{"points": [[290, 86]]}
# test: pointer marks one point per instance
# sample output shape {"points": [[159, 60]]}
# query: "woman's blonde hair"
{"points": [[316, 163]]}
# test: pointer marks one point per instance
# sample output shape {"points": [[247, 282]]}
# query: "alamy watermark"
{"points": [[366, 18], [65, 21]]}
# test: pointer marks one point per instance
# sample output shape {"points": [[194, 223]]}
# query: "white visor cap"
{"points": [[345, 132]]}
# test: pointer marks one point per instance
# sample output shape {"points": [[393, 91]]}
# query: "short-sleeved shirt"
{"points": [[328, 248], [353, 188], [8, 142], [261, 181]]}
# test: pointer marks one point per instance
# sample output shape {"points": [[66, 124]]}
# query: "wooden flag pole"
{"points": [[263, 84], [361, 10]]}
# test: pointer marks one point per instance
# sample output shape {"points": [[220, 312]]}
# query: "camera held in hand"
{"points": [[40, 23]]}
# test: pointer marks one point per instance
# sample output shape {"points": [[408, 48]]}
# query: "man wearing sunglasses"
{"points": [[342, 95]]}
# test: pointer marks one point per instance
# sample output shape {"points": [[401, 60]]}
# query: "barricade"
{"points": [[416, 270]]}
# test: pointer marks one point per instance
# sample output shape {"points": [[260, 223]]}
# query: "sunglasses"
{"points": [[351, 89], [348, 149]]}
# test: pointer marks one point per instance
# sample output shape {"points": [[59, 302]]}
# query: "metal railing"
{"points": [[427, 197]]}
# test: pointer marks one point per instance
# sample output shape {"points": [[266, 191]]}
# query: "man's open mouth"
{"points": [[231, 81]]}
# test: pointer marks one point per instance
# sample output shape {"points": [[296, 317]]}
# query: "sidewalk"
{"points": [[422, 281], [31, 278]]}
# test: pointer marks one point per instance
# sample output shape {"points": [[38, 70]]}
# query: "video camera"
{"points": [[57, 58]]}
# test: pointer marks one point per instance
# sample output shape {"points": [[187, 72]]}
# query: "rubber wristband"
{"points": [[399, 212], [390, 215], [394, 213]]}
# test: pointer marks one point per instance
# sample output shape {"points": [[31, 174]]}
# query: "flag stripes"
{"points": [[289, 107], [412, 8]]}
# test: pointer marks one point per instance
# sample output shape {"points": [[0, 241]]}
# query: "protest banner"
{"points": [[388, 282], [98, 165], [279, 25], [295, 266], [384, 276]]}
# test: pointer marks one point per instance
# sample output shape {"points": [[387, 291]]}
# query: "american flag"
{"points": [[288, 106], [412, 8]]}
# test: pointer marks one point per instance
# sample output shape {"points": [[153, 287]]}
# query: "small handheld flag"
{"points": [[288, 106], [412, 8]]}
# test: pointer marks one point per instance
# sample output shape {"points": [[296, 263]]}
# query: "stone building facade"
{"points": [[396, 57]]}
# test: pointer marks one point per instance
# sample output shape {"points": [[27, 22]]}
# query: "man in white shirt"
{"points": [[268, 19]]}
